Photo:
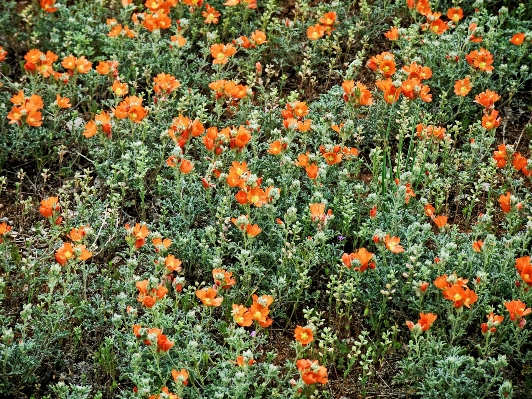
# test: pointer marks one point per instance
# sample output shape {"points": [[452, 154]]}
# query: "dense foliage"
{"points": [[265, 198]]}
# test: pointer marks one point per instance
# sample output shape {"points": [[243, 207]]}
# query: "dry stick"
{"points": [[522, 132]]}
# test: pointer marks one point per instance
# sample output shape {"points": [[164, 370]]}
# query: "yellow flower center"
{"points": [[304, 336], [482, 65], [457, 297]]}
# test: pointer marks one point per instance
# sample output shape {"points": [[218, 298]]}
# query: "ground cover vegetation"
{"points": [[265, 198]]}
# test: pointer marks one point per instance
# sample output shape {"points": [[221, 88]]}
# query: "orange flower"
{"points": [[438, 26], [222, 52], [409, 192], [518, 39], [328, 19], [491, 121], [440, 221], [137, 113], [242, 316], [444, 282], [242, 137], [487, 98], [164, 345], [387, 67], [477, 245], [303, 335], [259, 37], [208, 297], [143, 297], [491, 326], [426, 320], [312, 170], [412, 88], [302, 160], [429, 210], [138, 233], [276, 147], [69, 62], [363, 256], [49, 206], [391, 93], [186, 166], [392, 243], [316, 211], [518, 311], [260, 309], [524, 268], [161, 244], [62, 102], [357, 94], [374, 62], [64, 253], [180, 40], [423, 7], [34, 118], [315, 32], [462, 87], [84, 254], [165, 393], [460, 296], [518, 161], [4, 229], [131, 108], [180, 376], [172, 263], [223, 278], [311, 372], [253, 230], [236, 172], [106, 67], [165, 83], [300, 109], [210, 14], [257, 196], [481, 59], [392, 34], [505, 202], [48, 5], [424, 323], [83, 66], [149, 298], [3, 54], [120, 89], [241, 361], [455, 14], [259, 312], [500, 155]]}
